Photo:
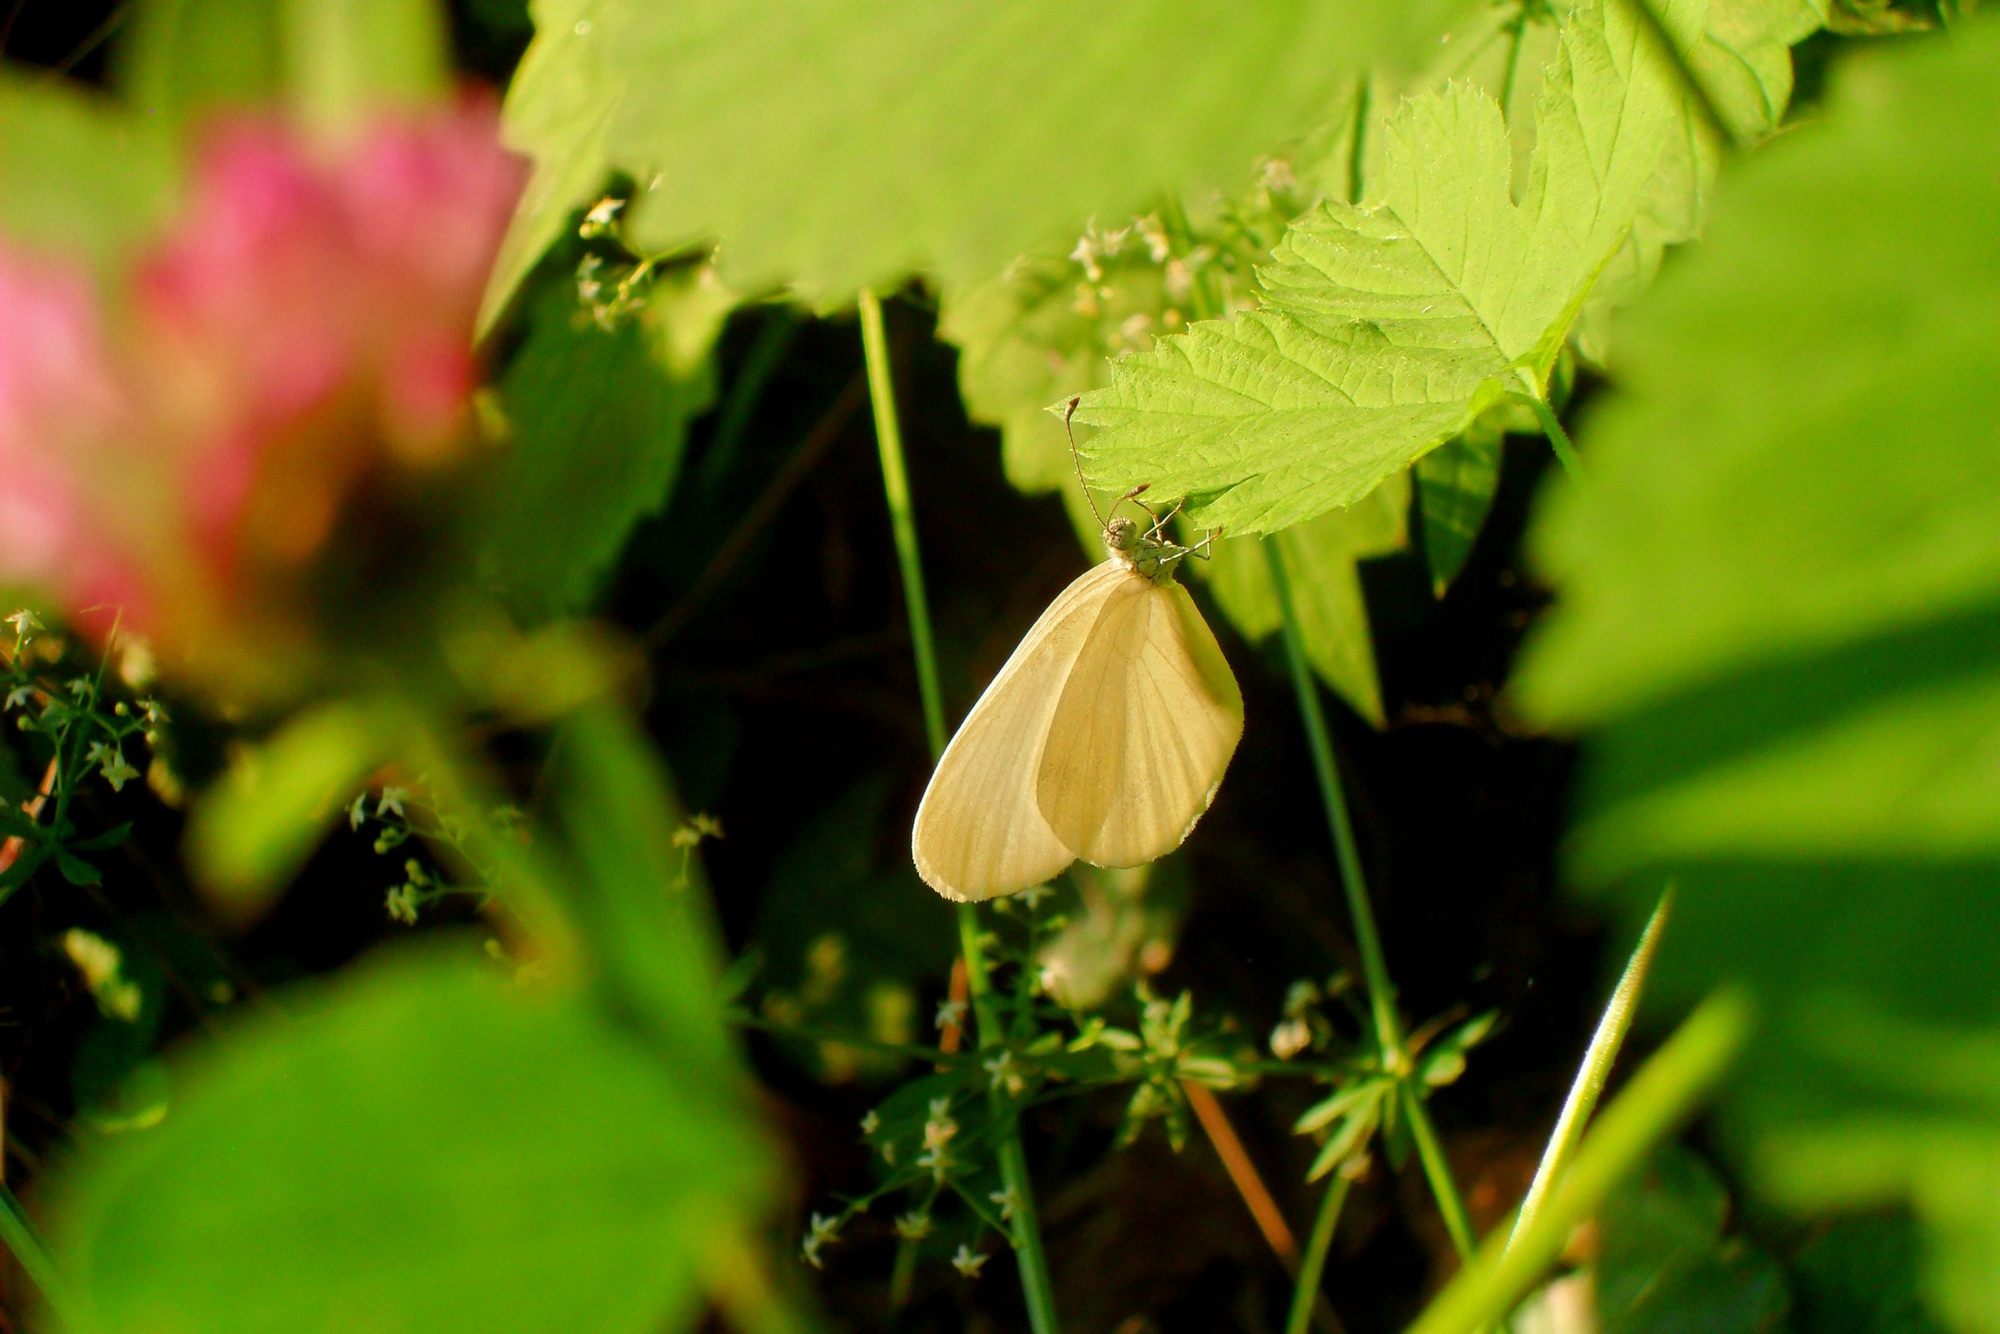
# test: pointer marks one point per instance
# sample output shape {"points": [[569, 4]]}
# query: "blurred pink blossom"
{"points": [[302, 335]]}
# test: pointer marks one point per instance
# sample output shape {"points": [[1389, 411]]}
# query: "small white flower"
{"points": [[1031, 897], [357, 810], [1007, 1200], [26, 624], [1006, 1073], [951, 1014], [914, 1225], [19, 696], [968, 1261], [871, 1122], [391, 802]]}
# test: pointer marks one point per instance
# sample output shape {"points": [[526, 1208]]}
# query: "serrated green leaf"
{"points": [[1777, 609], [391, 1151], [77, 175], [1389, 326], [840, 144], [1321, 558], [599, 421]]}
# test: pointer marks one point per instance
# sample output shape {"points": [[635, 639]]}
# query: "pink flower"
{"points": [[306, 327]]}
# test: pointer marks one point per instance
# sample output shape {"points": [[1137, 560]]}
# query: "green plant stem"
{"points": [[1660, 1096], [1551, 426], [18, 1234], [1036, 1286], [1374, 966], [1596, 1068], [1312, 1264]]}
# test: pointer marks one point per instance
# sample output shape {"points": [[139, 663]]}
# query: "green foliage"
{"points": [[1778, 593], [598, 411], [914, 137], [253, 832], [76, 174], [329, 59], [394, 1153], [1455, 486], [1389, 326], [1321, 559], [1663, 1262]]}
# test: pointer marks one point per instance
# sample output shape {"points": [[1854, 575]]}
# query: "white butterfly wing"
{"points": [[980, 832], [1147, 722]]}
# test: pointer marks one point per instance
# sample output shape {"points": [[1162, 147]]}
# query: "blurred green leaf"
{"points": [[77, 175], [842, 144], [1780, 612], [421, 1145], [332, 60], [842, 923], [599, 420], [1664, 1265], [636, 894], [253, 830], [558, 113], [1455, 486], [1859, 1276], [1321, 557]]}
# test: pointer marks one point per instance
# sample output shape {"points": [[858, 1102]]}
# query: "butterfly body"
{"points": [[1102, 738]]}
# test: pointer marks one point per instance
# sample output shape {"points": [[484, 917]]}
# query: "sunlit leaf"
{"points": [[77, 175], [941, 139], [1389, 326], [425, 1146], [1777, 599]]}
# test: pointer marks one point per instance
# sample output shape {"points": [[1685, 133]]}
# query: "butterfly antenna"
{"points": [[1069, 410]]}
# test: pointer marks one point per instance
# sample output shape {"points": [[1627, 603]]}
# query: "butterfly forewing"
{"points": [[1147, 722], [980, 832]]}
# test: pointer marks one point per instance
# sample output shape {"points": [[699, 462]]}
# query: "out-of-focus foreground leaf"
{"points": [[422, 1146], [1663, 1262], [431, 1143], [839, 144], [77, 176], [1780, 615], [599, 420], [330, 60]]}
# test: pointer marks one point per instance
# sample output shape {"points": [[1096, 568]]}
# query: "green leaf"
{"points": [[639, 901], [1455, 486], [842, 144], [182, 59], [599, 421], [331, 60], [1663, 1263], [253, 830], [422, 1145], [77, 176], [1321, 557], [1388, 327], [345, 58], [1779, 615], [558, 113]]}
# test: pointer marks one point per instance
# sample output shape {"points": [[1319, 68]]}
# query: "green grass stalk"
{"points": [[1652, 1106], [1374, 966], [1595, 1070], [19, 1236], [1312, 1263], [1036, 1286]]}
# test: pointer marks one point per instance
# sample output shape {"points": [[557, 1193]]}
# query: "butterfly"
{"points": [[1104, 736]]}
